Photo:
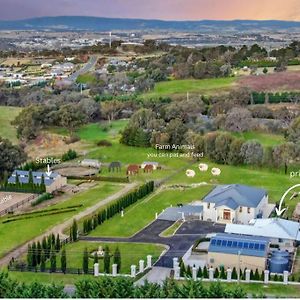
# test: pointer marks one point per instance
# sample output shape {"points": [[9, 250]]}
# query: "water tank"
{"points": [[283, 254], [278, 264]]}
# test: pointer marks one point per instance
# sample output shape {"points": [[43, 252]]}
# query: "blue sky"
{"points": [[154, 9]]}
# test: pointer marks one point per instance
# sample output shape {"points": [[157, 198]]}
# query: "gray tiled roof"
{"points": [[175, 213], [236, 195], [37, 177]]}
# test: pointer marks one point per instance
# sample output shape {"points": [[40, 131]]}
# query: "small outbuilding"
{"points": [[91, 163], [240, 252]]}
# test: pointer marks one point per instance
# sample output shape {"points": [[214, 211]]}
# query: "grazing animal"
{"points": [[133, 170], [114, 166], [148, 169]]}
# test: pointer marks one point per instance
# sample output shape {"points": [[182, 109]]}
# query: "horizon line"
{"points": [[146, 19]]}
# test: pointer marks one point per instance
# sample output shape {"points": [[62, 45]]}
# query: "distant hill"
{"points": [[77, 23]]}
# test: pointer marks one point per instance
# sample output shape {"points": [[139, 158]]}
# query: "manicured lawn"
{"points": [[203, 86], [7, 115], [266, 139], [172, 229], [17, 233], [131, 253], [275, 182], [142, 213]]}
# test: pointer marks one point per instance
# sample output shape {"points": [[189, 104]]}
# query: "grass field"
{"points": [[7, 115], [141, 214], [86, 78], [202, 86], [275, 182], [95, 132], [19, 232], [266, 139], [130, 254]]}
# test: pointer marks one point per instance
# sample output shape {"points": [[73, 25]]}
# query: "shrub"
{"points": [[104, 143], [42, 198]]}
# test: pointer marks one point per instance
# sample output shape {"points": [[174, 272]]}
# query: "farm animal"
{"points": [[114, 166], [133, 170], [148, 169]]}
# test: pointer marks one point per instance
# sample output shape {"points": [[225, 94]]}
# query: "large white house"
{"points": [[235, 203]]}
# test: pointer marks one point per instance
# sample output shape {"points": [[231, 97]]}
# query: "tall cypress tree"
{"points": [[34, 256], [29, 256], [43, 261], [117, 259], [63, 260], [38, 252], [85, 261], [106, 260], [57, 243], [52, 261]]}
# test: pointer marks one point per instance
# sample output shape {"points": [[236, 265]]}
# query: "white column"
{"points": [[156, 216], [96, 270], [122, 213], [141, 266], [247, 275], [133, 271], [211, 274], [175, 261], [285, 277], [176, 273], [114, 270], [194, 272], [149, 261], [229, 274], [266, 277], [182, 216]]}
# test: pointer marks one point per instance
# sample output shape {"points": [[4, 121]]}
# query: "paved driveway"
{"points": [[177, 244], [200, 227]]}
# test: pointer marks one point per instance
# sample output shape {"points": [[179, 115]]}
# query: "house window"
{"points": [[248, 210], [241, 209]]}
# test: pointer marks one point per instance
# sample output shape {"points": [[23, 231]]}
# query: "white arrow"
{"points": [[279, 210], [49, 172]]}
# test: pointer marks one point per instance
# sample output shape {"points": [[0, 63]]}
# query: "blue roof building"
{"points": [[53, 182], [231, 250]]}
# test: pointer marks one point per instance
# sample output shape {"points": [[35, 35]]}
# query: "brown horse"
{"points": [[148, 169], [133, 170]]}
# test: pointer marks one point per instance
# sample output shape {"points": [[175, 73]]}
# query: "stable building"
{"points": [[53, 182], [235, 203], [240, 252]]}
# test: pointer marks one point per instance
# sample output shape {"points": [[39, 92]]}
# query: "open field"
{"points": [[266, 139], [130, 254], [202, 86], [275, 182], [282, 81], [8, 114], [143, 212], [86, 78], [21, 231], [16, 61]]}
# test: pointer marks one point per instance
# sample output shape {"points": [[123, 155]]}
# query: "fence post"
{"points": [[96, 270], [175, 262], [194, 273], [141, 266], [133, 271], [211, 274], [176, 273], [266, 277], [114, 270], [149, 261], [285, 277], [229, 274]]}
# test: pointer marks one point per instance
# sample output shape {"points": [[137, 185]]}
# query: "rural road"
{"points": [[86, 68], [58, 229]]}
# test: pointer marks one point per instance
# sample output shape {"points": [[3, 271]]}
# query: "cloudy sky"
{"points": [[154, 9]]}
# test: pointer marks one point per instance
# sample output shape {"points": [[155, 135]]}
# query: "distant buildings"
{"points": [[235, 203], [53, 182]]}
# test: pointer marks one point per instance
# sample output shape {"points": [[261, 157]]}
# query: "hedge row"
{"points": [[39, 215], [115, 208], [101, 178], [42, 198], [273, 98]]}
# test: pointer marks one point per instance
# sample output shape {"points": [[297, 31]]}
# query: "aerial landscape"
{"points": [[150, 150]]}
